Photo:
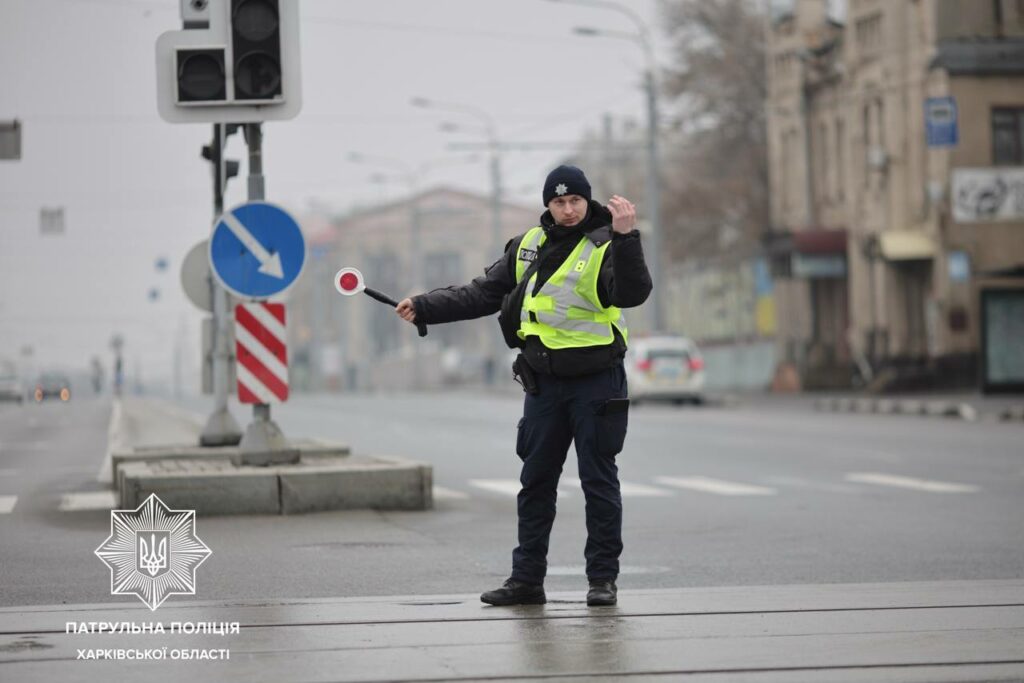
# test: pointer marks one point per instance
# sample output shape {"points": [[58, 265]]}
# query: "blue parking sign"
{"points": [[940, 122]]}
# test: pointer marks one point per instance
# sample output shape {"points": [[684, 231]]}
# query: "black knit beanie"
{"points": [[566, 180]]}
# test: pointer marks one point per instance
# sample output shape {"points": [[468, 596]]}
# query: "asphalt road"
{"points": [[758, 494]]}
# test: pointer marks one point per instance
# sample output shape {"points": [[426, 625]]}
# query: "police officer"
{"points": [[560, 288]]}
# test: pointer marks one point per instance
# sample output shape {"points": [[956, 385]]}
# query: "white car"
{"points": [[665, 368], [11, 388]]}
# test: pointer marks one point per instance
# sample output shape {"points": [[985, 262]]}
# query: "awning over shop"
{"points": [[820, 241], [905, 245]]}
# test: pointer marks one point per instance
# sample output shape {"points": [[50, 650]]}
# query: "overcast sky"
{"points": [[79, 74]]}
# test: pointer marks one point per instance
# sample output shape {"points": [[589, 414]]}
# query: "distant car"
{"points": [[52, 385], [665, 368], [11, 388]]}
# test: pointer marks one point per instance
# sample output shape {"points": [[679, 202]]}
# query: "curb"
{"points": [[957, 410], [1011, 414]]}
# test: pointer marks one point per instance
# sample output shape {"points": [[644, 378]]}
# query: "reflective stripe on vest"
{"points": [[567, 312]]}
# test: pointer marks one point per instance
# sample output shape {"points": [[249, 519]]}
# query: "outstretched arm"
{"points": [[480, 297]]}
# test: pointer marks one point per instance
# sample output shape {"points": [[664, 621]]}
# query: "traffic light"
{"points": [[235, 61], [201, 76], [256, 49], [223, 169]]}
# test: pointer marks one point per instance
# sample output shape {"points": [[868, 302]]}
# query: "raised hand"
{"points": [[623, 214]]}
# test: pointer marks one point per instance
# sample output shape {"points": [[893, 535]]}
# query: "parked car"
{"points": [[52, 385], [665, 368], [11, 388]]}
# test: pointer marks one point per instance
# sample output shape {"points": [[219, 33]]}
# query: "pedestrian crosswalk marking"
{"points": [[441, 493], [7, 504], [716, 486], [506, 486], [628, 489], [88, 500], [799, 483], [882, 479], [510, 487]]}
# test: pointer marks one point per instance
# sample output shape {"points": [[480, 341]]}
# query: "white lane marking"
{"points": [[717, 486], [7, 504], [797, 482], [628, 489], [910, 483], [441, 493], [88, 500], [508, 487]]}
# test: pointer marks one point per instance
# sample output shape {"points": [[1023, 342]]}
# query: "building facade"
{"points": [[897, 180], [434, 239]]}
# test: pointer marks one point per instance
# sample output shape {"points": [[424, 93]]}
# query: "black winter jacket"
{"points": [[624, 282]]}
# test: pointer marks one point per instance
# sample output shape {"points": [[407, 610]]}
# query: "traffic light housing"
{"points": [[236, 61], [256, 49]]}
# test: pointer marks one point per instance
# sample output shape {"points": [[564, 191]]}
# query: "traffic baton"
{"points": [[349, 281]]}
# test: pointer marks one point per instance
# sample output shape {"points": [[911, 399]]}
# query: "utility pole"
{"points": [[221, 429], [262, 436], [642, 38], [654, 198]]}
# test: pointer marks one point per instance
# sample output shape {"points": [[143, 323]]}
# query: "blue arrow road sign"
{"points": [[257, 250]]}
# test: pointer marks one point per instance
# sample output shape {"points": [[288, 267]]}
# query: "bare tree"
{"points": [[716, 169]]}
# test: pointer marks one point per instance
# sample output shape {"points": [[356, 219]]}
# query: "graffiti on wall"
{"points": [[988, 194]]}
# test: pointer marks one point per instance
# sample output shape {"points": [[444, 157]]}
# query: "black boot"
{"points": [[514, 592], [602, 593]]}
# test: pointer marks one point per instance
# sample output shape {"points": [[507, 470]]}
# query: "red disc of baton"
{"points": [[349, 281]]}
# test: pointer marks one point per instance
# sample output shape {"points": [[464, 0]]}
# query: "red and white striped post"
{"points": [[262, 353]]}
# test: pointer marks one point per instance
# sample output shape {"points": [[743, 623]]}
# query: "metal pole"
{"points": [[497, 340], [417, 278], [654, 199], [221, 428], [263, 443]]}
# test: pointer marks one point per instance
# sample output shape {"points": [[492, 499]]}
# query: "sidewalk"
{"points": [[969, 406], [928, 631]]}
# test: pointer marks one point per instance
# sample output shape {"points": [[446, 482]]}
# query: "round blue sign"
{"points": [[257, 250]]}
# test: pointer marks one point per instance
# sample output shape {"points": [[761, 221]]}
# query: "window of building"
{"points": [[383, 271], [441, 269], [840, 161], [866, 131], [869, 34], [822, 174], [1008, 136]]}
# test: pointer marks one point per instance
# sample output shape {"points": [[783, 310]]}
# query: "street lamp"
{"points": [[492, 139], [642, 38]]}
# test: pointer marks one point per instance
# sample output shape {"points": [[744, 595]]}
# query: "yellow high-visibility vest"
{"points": [[566, 312]]}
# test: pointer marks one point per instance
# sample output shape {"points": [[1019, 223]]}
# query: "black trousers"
{"points": [[566, 410]]}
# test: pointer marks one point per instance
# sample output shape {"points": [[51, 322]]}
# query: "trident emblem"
{"points": [[153, 555]]}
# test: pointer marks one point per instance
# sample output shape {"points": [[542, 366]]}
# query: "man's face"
{"points": [[568, 210]]}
